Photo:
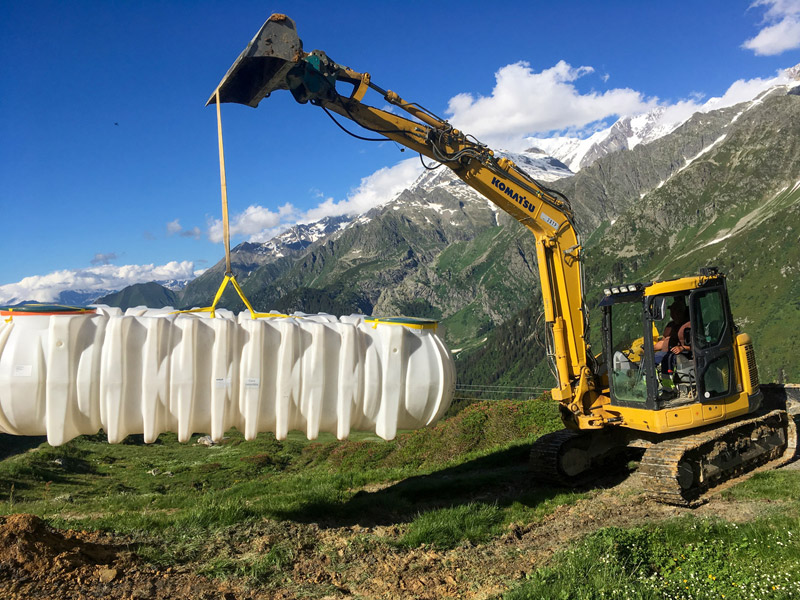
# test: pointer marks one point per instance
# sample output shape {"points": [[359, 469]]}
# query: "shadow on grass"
{"points": [[18, 444], [39, 470], [502, 478]]}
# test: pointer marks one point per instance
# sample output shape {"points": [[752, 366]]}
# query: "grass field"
{"points": [[262, 511], [166, 494], [688, 557]]}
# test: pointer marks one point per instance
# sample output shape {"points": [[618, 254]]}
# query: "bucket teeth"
{"points": [[262, 67]]}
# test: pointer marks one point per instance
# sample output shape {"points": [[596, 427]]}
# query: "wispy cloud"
{"points": [[195, 233], [103, 259], [175, 228], [46, 288], [780, 29]]}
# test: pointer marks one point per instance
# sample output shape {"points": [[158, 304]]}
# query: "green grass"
{"points": [[166, 496], [771, 485], [256, 568], [462, 255], [447, 527], [686, 558]]}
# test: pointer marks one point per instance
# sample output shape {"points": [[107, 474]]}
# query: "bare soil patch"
{"points": [[37, 561]]}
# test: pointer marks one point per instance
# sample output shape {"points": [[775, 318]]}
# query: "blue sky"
{"points": [[109, 158]]}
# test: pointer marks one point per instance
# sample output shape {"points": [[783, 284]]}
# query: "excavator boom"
{"points": [[274, 60]]}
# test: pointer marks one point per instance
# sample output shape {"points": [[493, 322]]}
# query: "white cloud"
{"points": [[739, 91], [46, 288], [174, 227], [745, 89], [781, 28], [374, 190], [524, 102], [251, 223]]}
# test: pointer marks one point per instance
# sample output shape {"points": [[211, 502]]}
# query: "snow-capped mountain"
{"points": [[629, 132], [176, 285], [248, 256], [534, 162], [625, 134], [76, 297], [546, 160], [302, 235]]}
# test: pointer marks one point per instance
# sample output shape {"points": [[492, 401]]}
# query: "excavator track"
{"points": [[573, 458], [546, 454], [685, 469]]}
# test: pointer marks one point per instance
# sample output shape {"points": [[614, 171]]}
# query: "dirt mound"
{"points": [[28, 544], [37, 561]]}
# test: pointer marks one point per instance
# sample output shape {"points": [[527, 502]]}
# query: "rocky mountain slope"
{"points": [[248, 257], [722, 188], [735, 206]]}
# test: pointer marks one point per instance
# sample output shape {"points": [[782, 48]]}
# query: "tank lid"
{"points": [[35, 308], [412, 322]]}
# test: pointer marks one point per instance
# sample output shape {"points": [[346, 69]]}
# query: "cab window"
{"points": [[710, 319], [628, 374]]}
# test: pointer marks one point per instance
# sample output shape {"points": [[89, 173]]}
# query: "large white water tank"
{"points": [[66, 373]]}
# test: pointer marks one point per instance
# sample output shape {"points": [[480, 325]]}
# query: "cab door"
{"points": [[712, 343]]}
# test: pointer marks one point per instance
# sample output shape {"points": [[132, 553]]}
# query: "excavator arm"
{"points": [[275, 60]]}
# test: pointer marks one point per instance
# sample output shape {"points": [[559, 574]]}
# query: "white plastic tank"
{"points": [[67, 372]]}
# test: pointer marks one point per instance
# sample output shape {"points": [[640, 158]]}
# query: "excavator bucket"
{"points": [[262, 67]]}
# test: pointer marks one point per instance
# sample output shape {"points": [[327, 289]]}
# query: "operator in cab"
{"points": [[674, 340]]}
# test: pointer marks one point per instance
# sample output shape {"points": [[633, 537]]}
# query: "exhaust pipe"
{"points": [[263, 65]]}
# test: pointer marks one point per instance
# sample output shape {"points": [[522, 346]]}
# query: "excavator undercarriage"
{"points": [[681, 469]]}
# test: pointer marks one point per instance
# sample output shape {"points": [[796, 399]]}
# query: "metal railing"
{"points": [[497, 392]]}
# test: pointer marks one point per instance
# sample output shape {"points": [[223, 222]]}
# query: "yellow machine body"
{"points": [[635, 386]]}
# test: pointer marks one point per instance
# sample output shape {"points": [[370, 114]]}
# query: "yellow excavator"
{"points": [[676, 377]]}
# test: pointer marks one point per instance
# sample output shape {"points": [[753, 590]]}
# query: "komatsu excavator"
{"points": [[694, 405]]}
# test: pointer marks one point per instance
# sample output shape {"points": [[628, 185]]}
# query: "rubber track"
{"points": [[659, 466], [545, 454]]}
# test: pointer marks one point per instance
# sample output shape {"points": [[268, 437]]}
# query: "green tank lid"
{"points": [[412, 322], [35, 308]]}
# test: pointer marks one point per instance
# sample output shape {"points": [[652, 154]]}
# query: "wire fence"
{"points": [[497, 392]]}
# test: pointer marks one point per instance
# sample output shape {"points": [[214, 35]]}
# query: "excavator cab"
{"points": [[696, 363]]}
